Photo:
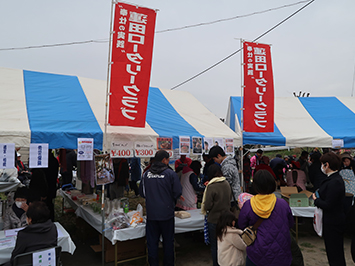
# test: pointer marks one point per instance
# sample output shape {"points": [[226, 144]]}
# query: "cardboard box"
{"points": [[125, 249], [295, 198], [298, 200]]}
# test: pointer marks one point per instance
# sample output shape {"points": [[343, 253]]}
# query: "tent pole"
{"points": [[108, 77], [103, 222], [241, 115], [105, 132]]}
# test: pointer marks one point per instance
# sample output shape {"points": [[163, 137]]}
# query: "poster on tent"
{"points": [[7, 155], [131, 60], [337, 143], [219, 142], [165, 144], [258, 114], [85, 149], [144, 149], [197, 145], [207, 144], [38, 155], [184, 145], [122, 149], [104, 169], [229, 146]]}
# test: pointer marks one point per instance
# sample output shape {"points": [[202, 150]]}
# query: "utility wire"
{"points": [[234, 53], [161, 31], [53, 45], [232, 18]]}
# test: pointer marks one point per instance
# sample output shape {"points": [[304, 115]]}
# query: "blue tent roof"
{"points": [[303, 122]]}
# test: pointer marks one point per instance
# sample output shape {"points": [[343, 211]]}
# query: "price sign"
{"points": [[123, 149], [121, 153], [144, 149]]}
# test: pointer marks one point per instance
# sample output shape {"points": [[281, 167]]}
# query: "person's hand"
{"points": [[206, 183], [182, 198], [24, 206], [314, 196]]}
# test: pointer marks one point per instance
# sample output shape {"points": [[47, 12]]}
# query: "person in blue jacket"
{"points": [[160, 186]]}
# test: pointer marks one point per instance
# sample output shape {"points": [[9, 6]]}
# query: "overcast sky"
{"points": [[314, 51]]}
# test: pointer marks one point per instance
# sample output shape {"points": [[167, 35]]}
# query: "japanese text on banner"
{"points": [[132, 49], [258, 88]]}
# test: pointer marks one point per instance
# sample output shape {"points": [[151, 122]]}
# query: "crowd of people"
{"points": [[215, 188]]}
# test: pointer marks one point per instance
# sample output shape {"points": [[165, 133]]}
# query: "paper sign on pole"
{"points": [[85, 149], [132, 50], [258, 114], [184, 145], [38, 155], [144, 149], [7, 155], [122, 149]]}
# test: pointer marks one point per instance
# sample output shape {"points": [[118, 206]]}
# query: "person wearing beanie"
{"points": [[15, 216]]}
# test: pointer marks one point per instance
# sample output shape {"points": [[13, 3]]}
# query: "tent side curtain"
{"points": [[304, 122]]}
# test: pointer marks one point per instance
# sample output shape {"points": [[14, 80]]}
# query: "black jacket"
{"points": [[331, 200], [160, 186], [35, 237], [316, 175]]}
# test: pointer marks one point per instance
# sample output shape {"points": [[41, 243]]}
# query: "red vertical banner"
{"points": [[258, 99], [132, 49]]}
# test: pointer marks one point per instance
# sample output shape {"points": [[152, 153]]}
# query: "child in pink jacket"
{"points": [[231, 248]]}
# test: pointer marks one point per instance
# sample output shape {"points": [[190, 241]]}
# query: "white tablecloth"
{"points": [[303, 211], [64, 241], [195, 222]]}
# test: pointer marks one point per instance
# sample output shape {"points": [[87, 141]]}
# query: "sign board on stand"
{"points": [[7, 155], [38, 155]]}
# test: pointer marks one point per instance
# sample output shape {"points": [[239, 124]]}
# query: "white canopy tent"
{"points": [[38, 107], [303, 122]]}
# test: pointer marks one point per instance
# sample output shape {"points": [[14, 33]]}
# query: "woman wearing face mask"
{"points": [[15, 216], [330, 198]]}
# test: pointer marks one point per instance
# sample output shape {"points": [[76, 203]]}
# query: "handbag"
{"points": [[249, 233], [318, 221]]}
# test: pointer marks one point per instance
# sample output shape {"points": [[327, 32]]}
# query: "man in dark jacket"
{"points": [[40, 233], [160, 186]]}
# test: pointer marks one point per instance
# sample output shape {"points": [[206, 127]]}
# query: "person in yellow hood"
{"points": [[273, 242]]}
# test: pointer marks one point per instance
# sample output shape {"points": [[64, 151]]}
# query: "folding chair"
{"points": [[25, 259]]}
